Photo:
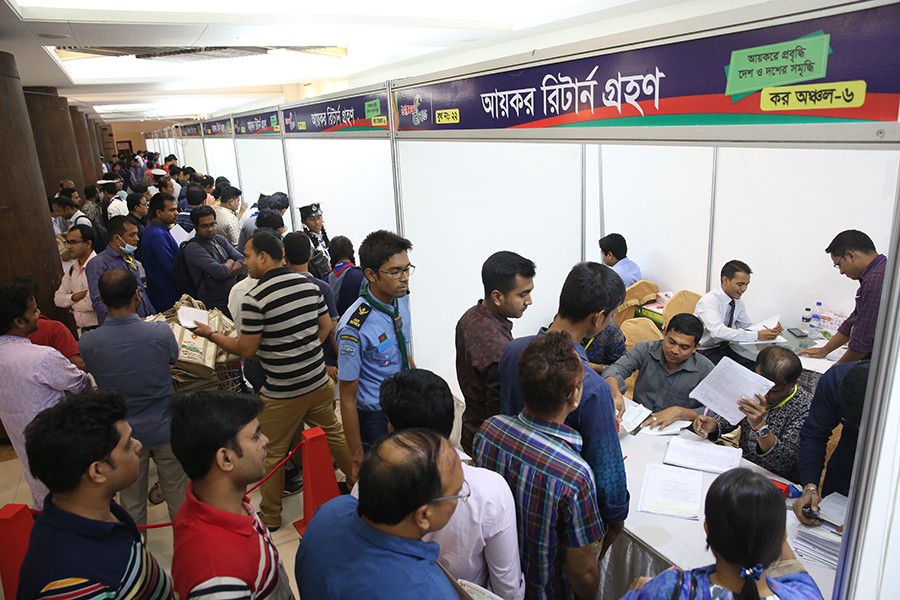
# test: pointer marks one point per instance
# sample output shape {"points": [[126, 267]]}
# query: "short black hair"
{"points": [[189, 170], [734, 266], [91, 192], [117, 288], [687, 324], [68, 191], [174, 170], [86, 231], [391, 490], [230, 192], [205, 421], [64, 440], [140, 188], [195, 194], [158, 202], [14, 297], [200, 212], [500, 269], [271, 219], [297, 248], [848, 240], [279, 201], [615, 244], [340, 247], [266, 241], [116, 225], [62, 201], [779, 365], [379, 246], [589, 288], [132, 200], [417, 398], [548, 368], [207, 181], [852, 393]]}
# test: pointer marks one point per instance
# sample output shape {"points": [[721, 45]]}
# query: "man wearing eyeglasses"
{"points": [[373, 338], [73, 292], [853, 254]]}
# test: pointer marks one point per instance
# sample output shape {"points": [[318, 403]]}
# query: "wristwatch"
{"points": [[763, 432], [811, 487]]}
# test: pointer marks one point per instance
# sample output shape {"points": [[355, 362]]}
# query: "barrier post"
{"points": [[319, 480], [16, 522]]}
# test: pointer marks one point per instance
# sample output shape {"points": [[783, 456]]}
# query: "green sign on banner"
{"points": [[373, 108], [752, 69]]}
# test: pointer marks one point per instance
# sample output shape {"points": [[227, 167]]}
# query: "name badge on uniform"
{"points": [[384, 343]]}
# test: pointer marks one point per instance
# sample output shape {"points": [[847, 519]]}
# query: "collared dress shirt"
{"points": [[105, 261], [228, 225], [860, 325], [628, 270], [554, 491], [342, 558], [655, 387], [75, 280], [158, 250], [712, 309]]}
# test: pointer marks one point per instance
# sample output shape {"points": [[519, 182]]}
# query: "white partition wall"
{"points": [[352, 180], [778, 209], [221, 160], [261, 163], [194, 154], [658, 197], [463, 201]]}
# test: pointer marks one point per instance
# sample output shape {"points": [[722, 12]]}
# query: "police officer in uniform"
{"points": [[374, 338], [314, 227]]}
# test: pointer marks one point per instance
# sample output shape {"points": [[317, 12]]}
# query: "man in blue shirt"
{"points": [[373, 338], [83, 544], [587, 303], [132, 356], [614, 251], [158, 250], [119, 254], [409, 485]]}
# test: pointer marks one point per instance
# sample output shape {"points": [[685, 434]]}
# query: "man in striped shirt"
{"points": [[222, 550], [560, 529], [284, 321]]}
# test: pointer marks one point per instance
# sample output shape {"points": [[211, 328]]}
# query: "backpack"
{"points": [[183, 280], [101, 236]]}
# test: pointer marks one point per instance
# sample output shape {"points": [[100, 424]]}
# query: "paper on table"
{"points": [[179, 234], [673, 428], [778, 340], [725, 385], [702, 455], [671, 491], [635, 414], [833, 508], [766, 323], [187, 315]]}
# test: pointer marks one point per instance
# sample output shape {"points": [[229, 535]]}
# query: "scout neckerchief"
{"points": [[398, 321], [339, 268], [783, 402]]}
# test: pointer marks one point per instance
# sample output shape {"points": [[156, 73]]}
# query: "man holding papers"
{"points": [[724, 317], [668, 370], [770, 431]]}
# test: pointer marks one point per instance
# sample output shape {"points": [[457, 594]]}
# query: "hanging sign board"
{"points": [[191, 130], [264, 123], [368, 112], [219, 127]]}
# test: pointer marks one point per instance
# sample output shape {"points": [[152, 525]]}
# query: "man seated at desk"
{"points": [[669, 370], [770, 433], [615, 250], [725, 319]]}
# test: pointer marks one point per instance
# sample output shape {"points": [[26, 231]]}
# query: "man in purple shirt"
{"points": [[34, 377], [854, 254], [123, 239]]}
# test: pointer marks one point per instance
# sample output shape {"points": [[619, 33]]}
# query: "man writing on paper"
{"points": [[770, 433], [854, 254], [669, 369], [724, 317]]}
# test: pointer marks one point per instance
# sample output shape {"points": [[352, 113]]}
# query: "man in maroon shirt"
{"points": [[484, 331], [854, 254]]}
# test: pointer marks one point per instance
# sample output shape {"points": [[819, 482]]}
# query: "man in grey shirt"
{"points": [[669, 370]]}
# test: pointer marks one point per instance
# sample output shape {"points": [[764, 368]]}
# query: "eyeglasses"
{"points": [[396, 273], [584, 377], [466, 492], [72, 242], [837, 265]]}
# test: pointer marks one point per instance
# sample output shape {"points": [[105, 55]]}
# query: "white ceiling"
{"points": [[387, 39]]}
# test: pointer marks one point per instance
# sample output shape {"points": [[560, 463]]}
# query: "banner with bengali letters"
{"points": [[842, 68], [263, 123], [217, 127], [191, 130], [368, 112]]}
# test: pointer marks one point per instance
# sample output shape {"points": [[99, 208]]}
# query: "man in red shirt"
{"points": [[54, 334]]}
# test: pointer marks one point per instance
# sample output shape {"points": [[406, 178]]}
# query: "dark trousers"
{"points": [[372, 426], [716, 353]]}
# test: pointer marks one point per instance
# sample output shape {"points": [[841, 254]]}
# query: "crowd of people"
{"points": [[527, 506]]}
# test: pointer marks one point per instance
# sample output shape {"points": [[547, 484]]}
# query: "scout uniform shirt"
{"points": [[367, 347]]}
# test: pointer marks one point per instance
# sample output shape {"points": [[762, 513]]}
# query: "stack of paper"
{"points": [[725, 385], [671, 491], [673, 428], [833, 509], [635, 414], [769, 323], [702, 455], [819, 544]]}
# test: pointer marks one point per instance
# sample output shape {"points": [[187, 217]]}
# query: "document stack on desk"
{"points": [[725, 385], [671, 491], [822, 544], [701, 455]]}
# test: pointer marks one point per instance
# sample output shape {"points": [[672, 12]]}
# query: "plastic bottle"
{"points": [[815, 322], [807, 317]]}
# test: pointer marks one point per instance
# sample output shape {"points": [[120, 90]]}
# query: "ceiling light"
{"points": [[54, 36]]}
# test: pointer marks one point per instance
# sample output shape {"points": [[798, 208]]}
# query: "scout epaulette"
{"points": [[360, 315]]}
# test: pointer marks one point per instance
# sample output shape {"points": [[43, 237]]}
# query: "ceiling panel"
{"points": [[164, 34]]}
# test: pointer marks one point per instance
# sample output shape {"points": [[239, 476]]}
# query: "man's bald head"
{"points": [[117, 288]]}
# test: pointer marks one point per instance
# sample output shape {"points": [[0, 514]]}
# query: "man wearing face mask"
{"points": [[123, 239]]}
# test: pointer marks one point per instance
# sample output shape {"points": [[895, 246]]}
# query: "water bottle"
{"points": [[815, 322], [806, 318]]}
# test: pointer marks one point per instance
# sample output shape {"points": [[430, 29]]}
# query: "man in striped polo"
{"points": [[284, 321]]}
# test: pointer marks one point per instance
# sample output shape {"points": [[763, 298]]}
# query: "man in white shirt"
{"points": [[109, 193], [725, 318], [226, 217], [480, 542], [73, 292]]}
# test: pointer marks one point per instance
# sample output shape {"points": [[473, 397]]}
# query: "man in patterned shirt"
{"points": [[221, 546], [854, 254], [484, 331], [83, 544], [560, 528]]}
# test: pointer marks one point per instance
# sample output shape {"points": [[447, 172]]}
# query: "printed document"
{"points": [[725, 385], [187, 315], [671, 491], [702, 455]]}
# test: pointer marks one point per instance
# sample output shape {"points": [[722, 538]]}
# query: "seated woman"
{"points": [[745, 529], [770, 433]]}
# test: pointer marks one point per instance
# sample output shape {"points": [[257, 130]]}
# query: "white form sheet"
{"points": [[725, 385], [671, 491], [673, 428], [635, 414], [187, 315], [701, 455], [766, 323]]}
